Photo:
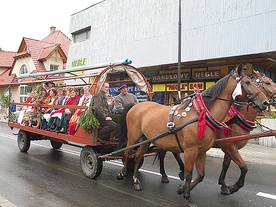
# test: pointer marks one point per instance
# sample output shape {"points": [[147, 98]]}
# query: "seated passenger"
{"points": [[25, 109], [47, 87], [50, 100], [104, 115], [60, 96], [60, 118], [85, 100]]}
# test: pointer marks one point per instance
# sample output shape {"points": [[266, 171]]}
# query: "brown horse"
{"points": [[187, 127], [241, 120]]}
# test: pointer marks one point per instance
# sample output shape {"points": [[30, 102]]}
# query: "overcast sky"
{"points": [[33, 19]]}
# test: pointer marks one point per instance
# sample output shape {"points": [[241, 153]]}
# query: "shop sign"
{"points": [[193, 86], [131, 89], [174, 87], [170, 77], [79, 62], [209, 74], [186, 86]]}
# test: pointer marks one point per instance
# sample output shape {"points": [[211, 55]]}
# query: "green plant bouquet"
{"points": [[88, 121]]}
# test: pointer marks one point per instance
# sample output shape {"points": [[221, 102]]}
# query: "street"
{"points": [[47, 177]]}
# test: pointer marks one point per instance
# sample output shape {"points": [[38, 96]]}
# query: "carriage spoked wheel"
{"points": [[91, 165], [23, 141], [55, 144]]}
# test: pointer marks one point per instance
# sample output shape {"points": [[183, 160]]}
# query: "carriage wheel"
{"points": [[91, 165], [56, 145], [23, 141], [131, 162]]}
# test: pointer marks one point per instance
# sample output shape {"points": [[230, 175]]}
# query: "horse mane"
{"points": [[214, 91], [123, 128]]}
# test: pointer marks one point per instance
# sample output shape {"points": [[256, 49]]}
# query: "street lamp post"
{"points": [[179, 52]]}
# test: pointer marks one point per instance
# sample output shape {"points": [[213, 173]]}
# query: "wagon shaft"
{"points": [[244, 137]]}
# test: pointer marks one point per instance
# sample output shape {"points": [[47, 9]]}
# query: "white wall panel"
{"points": [[146, 31]]}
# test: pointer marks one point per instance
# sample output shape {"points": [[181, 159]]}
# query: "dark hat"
{"points": [[123, 86], [47, 83]]}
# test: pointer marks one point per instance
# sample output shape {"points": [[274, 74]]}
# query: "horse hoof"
{"points": [[180, 190], [181, 175], [120, 176], [225, 191], [191, 205], [138, 187], [165, 180]]}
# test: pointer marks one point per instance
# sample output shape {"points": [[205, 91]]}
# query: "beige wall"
{"points": [[55, 59], [28, 61]]}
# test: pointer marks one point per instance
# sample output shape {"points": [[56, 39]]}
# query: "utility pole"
{"points": [[179, 52]]}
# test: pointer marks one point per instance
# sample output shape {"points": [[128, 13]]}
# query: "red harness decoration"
{"points": [[237, 118], [201, 108]]}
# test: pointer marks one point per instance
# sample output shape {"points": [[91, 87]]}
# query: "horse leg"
{"points": [[221, 181], [181, 165], [138, 158], [236, 157], [200, 168], [123, 174], [164, 177], [189, 161]]}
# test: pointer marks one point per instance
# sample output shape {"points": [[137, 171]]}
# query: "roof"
{"points": [[40, 50], [6, 59], [5, 78], [57, 37]]}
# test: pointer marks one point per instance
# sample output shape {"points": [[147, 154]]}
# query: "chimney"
{"points": [[52, 30]]}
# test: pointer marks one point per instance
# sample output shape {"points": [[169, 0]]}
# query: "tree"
{"points": [[1, 50]]}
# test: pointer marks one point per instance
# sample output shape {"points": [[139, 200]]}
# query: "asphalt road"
{"points": [[47, 177]]}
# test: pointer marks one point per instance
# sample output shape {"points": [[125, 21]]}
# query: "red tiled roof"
{"points": [[47, 51], [5, 78], [57, 37], [6, 59]]}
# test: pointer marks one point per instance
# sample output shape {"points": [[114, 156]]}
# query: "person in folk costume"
{"points": [[60, 96], [85, 100], [47, 87], [55, 116], [25, 109], [64, 114], [50, 100]]}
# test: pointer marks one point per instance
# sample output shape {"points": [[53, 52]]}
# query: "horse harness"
{"points": [[205, 117], [237, 118]]}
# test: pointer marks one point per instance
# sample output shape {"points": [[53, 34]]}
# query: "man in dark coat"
{"points": [[104, 115]]}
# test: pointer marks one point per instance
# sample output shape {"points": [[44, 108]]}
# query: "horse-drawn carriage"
{"points": [[187, 127], [91, 163]]}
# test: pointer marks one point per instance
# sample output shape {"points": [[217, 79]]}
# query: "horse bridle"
{"points": [[252, 98], [271, 95]]}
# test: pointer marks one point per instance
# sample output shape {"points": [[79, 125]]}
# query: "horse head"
{"points": [[247, 91], [267, 86]]}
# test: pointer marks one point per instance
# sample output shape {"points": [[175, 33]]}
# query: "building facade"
{"points": [[33, 56], [215, 37]]}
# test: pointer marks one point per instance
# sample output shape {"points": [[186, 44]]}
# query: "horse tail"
{"points": [[123, 128]]}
